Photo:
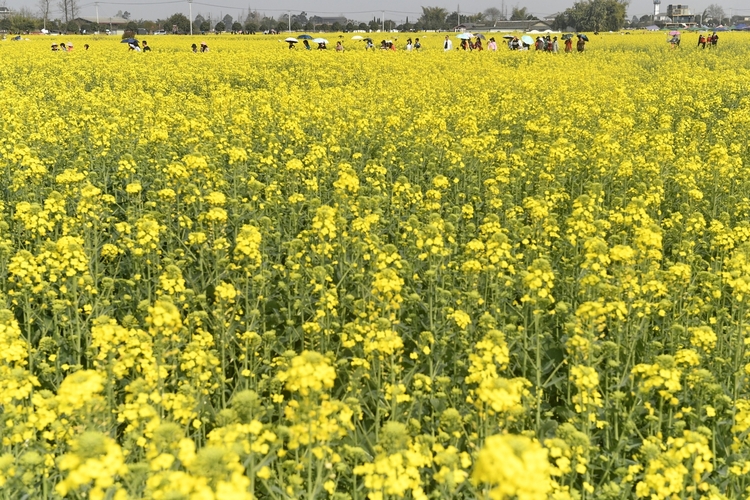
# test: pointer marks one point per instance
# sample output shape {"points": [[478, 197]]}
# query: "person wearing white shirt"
{"points": [[448, 45]]}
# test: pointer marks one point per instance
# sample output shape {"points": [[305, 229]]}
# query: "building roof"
{"points": [[469, 26], [526, 25], [102, 20], [328, 20]]}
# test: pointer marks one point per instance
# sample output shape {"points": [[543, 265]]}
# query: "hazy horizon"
{"points": [[395, 10]]}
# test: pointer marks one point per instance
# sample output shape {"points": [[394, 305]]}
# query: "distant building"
{"points": [[317, 20], [525, 25], [680, 14], [5, 12], [470, 27], [112, 22]]}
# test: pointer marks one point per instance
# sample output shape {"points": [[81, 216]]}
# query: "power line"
{"points": [[375, 11]]}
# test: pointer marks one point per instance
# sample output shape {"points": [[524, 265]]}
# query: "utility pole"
{"points": [[289, 19], [383, 21], [458, 13], [97, 16], [190, 3]]}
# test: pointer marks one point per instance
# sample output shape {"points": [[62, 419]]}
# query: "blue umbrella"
{"points": [[129, 40], [305, 37]]}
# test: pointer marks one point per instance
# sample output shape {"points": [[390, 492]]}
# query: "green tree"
{"points": [[23, 20], [597, 15], [374, 24], [236, 27], [433, 18], [179, 20], [713, 15], [199, 19], [220, 27], [493, 14], [519, 14]]}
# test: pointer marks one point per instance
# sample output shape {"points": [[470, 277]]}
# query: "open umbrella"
{"points": [[583, 36], [129, 40], [320, 40], [674, 33], [291, 40], [464, 36], [567, 36], [305, 37], [480, 36], [508, 37], [368, 39], [527, 40], [356, 37]]}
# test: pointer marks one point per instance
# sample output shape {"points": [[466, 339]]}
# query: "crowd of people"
{"points": [[470, 43], [710, 40], [66, 47]]}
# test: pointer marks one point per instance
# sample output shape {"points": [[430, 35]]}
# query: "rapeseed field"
{"points": [[286, 274]]}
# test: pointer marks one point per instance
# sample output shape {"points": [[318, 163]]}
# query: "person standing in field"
{"points": [[409, 45], [568, 45], [492, 45], [714, 40], [146, 47], [417, 44], [204, 47], [447, 45], [701, 41], [478, 45], [194, 48], [555, 46], [581, 44], [339, 47]]}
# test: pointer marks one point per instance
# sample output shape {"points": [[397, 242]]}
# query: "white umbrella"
{"points": [[356, 37], [464, 36], [320, 40], [291, 39]]}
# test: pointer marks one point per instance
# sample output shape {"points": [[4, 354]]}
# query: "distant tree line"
{"points": [[584, 15]]}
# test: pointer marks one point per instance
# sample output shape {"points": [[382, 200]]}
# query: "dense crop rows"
{"points": [[296, 274]]}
